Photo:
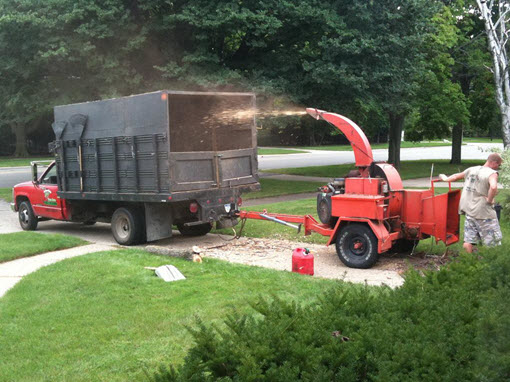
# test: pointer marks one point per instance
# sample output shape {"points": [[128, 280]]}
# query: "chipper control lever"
{"points": [[359, 141]]}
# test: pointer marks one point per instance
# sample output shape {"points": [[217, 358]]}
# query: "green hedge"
{"points": [[450, 325]]}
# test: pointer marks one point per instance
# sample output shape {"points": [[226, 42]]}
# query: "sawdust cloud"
{"points": [[245, 115]]}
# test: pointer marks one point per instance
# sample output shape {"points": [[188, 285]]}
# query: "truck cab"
{"points": [[38, 198]]}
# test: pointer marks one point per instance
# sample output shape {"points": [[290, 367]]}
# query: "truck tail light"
{"points": [[193, 208], [239, 201]]}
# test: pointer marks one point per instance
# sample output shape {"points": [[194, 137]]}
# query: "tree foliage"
{"points": [[374, 61]]}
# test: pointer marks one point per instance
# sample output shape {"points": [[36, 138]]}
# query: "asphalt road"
{"points": [[11, 176], [14, 175]]}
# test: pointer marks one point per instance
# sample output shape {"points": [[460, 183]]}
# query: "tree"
{"points": [[495, 14], [338, 56], [360, 58], [441, 104], [62, 51], [19, 75], [382, 55]]}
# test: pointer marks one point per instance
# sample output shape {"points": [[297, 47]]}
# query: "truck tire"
{"points": [[128, 226], [356, 246], [27, 219], [194, 230]]}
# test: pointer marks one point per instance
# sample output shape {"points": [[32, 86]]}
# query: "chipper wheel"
{"points": [[356, 246]]}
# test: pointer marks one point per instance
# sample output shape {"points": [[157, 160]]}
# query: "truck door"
{"points": [[45, 201]]}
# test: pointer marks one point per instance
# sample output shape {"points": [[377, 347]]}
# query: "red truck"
{"points": [[145, 163]]}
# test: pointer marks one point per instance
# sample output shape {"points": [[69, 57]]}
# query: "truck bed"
{"points": [[157, 146]]}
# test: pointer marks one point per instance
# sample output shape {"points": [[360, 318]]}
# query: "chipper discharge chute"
{"points": [[367, 212]]}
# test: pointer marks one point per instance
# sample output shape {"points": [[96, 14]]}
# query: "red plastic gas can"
{"points": [[302, 261]]}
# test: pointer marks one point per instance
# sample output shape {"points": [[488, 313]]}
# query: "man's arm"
{"points": [[493, 190], [454, 177]]}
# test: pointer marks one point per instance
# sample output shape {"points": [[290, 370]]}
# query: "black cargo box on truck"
{"points": [[159, 153]]}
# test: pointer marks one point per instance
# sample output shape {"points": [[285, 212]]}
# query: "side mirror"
{"points": [[34, 172]]}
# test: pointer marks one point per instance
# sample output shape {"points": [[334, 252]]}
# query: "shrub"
{"points": [[450, 325]]}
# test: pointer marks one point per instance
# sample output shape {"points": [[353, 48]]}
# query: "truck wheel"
{"points": [[194, 230], [128, 226], [27, 219], [356, 246]]}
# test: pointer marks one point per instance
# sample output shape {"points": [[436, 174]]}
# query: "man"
{"points": [[477, 203]]}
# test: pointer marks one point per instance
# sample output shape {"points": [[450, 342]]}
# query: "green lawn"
{"points": [[103, 317], [17, 162], [277, 150], [482, 140], [408, 169], [276, 187], [6, 194], [24, 244]]}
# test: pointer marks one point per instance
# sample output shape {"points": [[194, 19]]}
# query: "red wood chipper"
{"points": [[367, 212]]}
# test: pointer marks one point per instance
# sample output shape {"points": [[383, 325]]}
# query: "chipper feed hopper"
{"points": [[367, 212]]}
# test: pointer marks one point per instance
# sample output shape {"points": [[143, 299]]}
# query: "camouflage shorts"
{"points": [[485, 230]]}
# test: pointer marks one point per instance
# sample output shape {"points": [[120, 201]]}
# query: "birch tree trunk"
{"points": [[495, 15]]}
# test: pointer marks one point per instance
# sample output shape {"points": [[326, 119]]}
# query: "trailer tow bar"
{"points": [[298, 227], [307, 221]]}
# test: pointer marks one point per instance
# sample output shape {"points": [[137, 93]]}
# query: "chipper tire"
{"points": [[128, 226], [194, 230], [356, 246], [27, 219]]}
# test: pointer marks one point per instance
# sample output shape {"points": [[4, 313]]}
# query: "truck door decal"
{"points": [[47, 200]]}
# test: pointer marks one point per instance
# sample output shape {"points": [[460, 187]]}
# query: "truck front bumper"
{"points": [[13, 207]]}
